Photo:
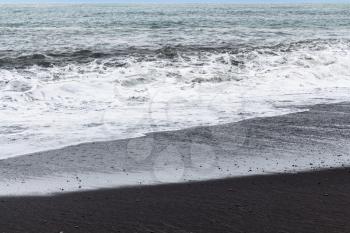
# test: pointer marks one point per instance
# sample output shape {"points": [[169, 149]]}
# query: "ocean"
{"points": [[79, 73]]}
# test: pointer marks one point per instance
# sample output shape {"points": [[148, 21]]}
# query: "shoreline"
{"points": [[309, 140], [287, 201]]}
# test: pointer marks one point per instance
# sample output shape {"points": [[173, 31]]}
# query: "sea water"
{"points": [[79, 73]]}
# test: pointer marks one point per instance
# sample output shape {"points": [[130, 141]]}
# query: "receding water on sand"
{"points": [[315, 139]]}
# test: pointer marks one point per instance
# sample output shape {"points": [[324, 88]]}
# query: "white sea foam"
{"points": [[51, 107]]}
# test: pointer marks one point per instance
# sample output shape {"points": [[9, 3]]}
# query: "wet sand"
{"points": [[316, 138]]}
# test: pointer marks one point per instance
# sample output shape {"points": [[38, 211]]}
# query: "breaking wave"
{"points": [[53, 58], [61, 98]]}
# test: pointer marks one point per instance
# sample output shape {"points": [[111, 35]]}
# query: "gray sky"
{"points": [[175, 1]]}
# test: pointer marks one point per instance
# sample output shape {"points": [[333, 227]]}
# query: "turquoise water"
{"points": [[25, 29]]}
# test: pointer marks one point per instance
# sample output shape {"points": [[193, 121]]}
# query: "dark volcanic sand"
{"points": [[312, 202]]}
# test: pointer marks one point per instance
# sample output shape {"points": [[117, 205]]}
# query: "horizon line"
{"points": [[170, 2]]}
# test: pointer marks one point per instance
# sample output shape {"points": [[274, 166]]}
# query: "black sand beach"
{"points": [[316, 201], [174, 117], [306, 202]]}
